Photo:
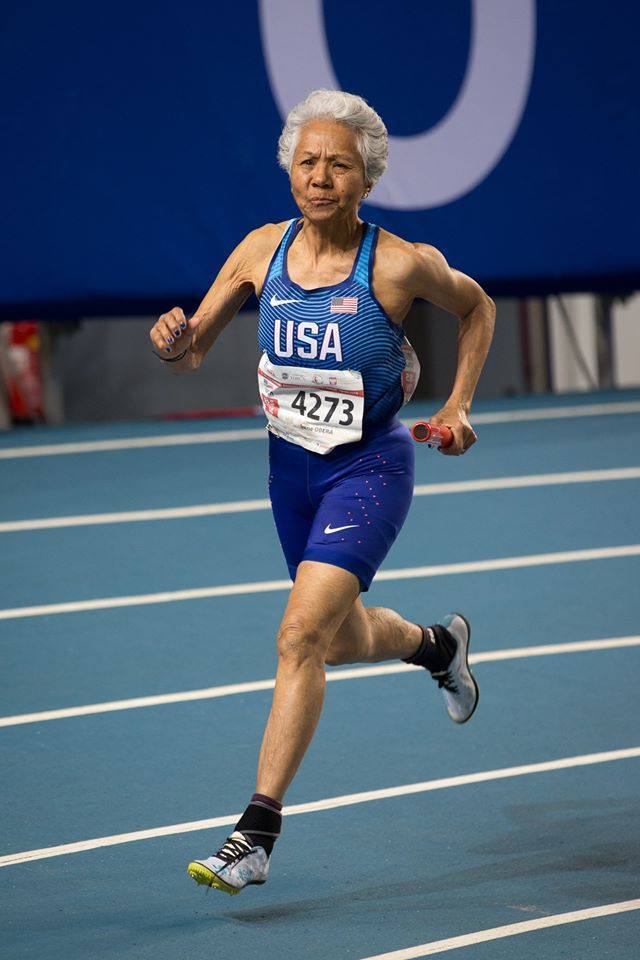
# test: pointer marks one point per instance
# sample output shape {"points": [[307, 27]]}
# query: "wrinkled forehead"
{"points": [[327, 138]]}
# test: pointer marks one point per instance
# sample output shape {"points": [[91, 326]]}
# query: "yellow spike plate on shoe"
{"points": [[202, 875]]}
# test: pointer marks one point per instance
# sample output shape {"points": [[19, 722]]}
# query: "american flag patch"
{"points": [[344, 305]]}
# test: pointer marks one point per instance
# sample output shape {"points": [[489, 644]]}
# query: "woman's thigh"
{"points": [[345, 510], [292, 509], [321, 598], [357, 522]]}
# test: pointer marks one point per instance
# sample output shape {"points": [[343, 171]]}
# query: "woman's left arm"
{"points": [[434, 280]]}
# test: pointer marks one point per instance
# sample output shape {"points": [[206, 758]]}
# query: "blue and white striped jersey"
{"points": [[338, 327]]}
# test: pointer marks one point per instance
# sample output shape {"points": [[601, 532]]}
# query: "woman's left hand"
{"points": [[455, 417]]}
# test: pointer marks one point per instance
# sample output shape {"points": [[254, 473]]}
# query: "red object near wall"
{"points": [[23, 370]]}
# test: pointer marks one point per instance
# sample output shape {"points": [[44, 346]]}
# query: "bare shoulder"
{"points": [[393, 269], [267, 233], [260, 246], [249, 261], [404, 262], [406, 271], [430, 260], [259, 241]]}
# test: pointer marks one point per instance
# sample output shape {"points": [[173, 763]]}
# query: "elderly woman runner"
{"points": [[335, 370]]}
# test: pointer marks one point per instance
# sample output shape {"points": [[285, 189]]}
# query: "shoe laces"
{"points": [[234, 847], [445, 679]]}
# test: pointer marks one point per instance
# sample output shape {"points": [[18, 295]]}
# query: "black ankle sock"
{"points": [[261, 822], [437, 649]]}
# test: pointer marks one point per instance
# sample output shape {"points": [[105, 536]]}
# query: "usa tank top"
{"points": [[338, 327]]}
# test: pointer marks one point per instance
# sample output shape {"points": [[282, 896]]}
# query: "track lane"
{"points": [[422, 866], [239, 470], [425, 867], [341, 674], [395, 726], [214, 551], [112, 654], [566, 478]]}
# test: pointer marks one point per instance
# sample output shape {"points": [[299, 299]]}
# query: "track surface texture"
{"points": [[412, 855]]}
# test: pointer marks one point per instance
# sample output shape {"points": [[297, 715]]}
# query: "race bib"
{"points": [[317, 409]]}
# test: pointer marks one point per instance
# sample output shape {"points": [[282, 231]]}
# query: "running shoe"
{"points": [[456, 681], [237, 864]]}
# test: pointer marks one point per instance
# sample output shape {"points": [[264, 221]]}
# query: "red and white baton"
{"points": [[425, 432]]}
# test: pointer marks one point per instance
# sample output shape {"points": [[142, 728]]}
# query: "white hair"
{"points": [[347, 108]]}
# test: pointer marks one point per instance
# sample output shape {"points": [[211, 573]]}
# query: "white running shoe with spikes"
{"points": [[237, 864], [457, 683]]}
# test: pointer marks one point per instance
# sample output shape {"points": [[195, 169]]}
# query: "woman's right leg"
{"points": [[372, 634]]}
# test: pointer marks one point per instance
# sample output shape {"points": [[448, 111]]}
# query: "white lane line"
{"points": [[135, 516], [508, 930], [110, 603], [528, 480], [222, 436], [351, 673], [556, 413], [244, 506], [131, 443], [330, 803], [269, 586]]}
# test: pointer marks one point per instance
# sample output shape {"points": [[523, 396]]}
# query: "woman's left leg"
{"points": [[321, 598]]}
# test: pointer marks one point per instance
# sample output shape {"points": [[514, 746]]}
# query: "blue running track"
{"points": [[382, 872]]}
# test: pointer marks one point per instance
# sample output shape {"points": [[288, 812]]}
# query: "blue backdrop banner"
{"points": [[140, 139]]}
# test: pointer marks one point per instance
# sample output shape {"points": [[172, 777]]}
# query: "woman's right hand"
{"points": [[172, 333]]}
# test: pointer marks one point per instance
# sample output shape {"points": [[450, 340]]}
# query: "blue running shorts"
{"points": [[345, 507]]}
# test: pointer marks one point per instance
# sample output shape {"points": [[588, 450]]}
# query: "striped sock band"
{"points": [[261, 822]]}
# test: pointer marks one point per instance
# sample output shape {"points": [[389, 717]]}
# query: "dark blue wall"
{"points": [[139, 146]]}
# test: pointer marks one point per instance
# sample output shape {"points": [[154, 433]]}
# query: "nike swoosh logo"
{"points": [[330, 529], [278, 303]]}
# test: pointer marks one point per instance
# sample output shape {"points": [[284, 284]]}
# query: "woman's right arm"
{"points": [[173, 333]]}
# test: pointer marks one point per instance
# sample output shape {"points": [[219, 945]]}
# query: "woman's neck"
{"points": [[326, 239]]}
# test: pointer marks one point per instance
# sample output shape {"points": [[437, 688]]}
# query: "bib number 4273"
{"points": [[324, 409], [317, 409]]}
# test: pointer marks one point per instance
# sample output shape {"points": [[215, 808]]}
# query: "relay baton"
{"points": [[425, 432]]}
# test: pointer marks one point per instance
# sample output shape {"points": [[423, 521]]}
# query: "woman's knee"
{"points": [[299, 643]]}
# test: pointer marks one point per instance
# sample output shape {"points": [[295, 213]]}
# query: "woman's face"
{"points": [[327, 173]]}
